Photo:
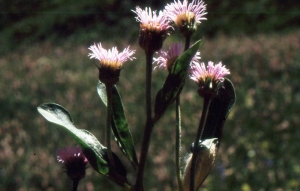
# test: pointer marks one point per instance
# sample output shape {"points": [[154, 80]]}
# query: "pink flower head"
{"points": [[154, 28], [111, 62], [110, 58], [151, 21], [186, 16], [209, 79], [74, 162], [167, 58], [216, 72]]}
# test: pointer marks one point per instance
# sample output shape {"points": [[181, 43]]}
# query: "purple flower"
{"points": [[154, 28], [152, 21], [184, 12], [111, 62], [208, 79], [216, 72], [186, 16], [74, 162], [110, 58], [167, 58]]}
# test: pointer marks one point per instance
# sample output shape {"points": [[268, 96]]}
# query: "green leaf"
{"points": [[175, 80], [95, 152], [87, 141], [101, 89], [219, 109], [119, 124]]}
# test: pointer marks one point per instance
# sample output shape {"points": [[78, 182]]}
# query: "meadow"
{"points": [[259, 148]]}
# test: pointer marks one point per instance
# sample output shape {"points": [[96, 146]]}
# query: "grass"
{"points": [[259, 149]]}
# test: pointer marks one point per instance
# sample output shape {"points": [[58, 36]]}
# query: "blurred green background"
{"points": [[43, 58]]}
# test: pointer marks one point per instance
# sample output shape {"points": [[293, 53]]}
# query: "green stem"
{"points": [[178, 128], [187, 42], [108, 123], [148, 126], [206, 103], [75, 184], [178, 143]]}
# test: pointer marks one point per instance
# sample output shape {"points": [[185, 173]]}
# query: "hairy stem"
{"points": [[148, 126], [178, 143], [206, 103]]}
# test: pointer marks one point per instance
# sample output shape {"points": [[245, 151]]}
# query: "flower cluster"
{"points": [[155, 28]]}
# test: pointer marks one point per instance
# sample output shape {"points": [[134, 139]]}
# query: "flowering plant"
{"points": [[216, 90]]}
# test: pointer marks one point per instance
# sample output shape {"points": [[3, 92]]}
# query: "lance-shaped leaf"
{"points": [[219, 109], [174, 81], [95, 152], [119, 123], [205, 157]]}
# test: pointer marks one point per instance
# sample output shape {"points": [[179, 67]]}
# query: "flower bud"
{"points": [[74, 162]]}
